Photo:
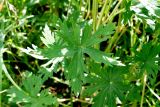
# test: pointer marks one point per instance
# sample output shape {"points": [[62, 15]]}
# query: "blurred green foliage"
{"points": [[79, 53]]}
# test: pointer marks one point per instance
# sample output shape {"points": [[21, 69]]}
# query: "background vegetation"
{"points": [[79, 53]]}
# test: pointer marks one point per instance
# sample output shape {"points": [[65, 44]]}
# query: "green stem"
{"points": [[115, 36], [143, 90], [122, 32], [80, 5], [102, 13], [8, 8], [60, 80], [3, 67], [113, 15], [94, 14], [152, 91], [3, 91], [119, 27], [143, 38], [74, 100], [112, 40], [134, 104], [88, 10], [114, 11], [1, 47], [133, 38], [108, 8], [9, 77]]}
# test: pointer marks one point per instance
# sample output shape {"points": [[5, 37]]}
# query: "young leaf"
{"points": [[48, 38]]}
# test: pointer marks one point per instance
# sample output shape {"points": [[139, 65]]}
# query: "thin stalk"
{"points": [[102, 13], [149, 104], [115, 37], [134, 104], [3, 91], [74, 100], [82, 101], [94, 13], [122, 32], [152, 91], [133, 37], [1, 47], [114, 11], [9, 77], [143, 38], [158, 83], [88, 10], [7, 4], [143, 90], [112, 40], [108, 8], [1, 5], [80, 5], [3, 67], [60, 80]]}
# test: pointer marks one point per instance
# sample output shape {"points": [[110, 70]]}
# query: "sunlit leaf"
{"points": [[48, 38]]}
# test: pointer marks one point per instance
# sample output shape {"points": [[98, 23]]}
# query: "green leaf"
{"points": [[76, 34], [53, 51], [128, 13], [34, 83], [76, 42], [102, 57], [106, 84], [16, 95], [43, 100], [100, 35], [148, 59], [66, 33], [32, 94], [70, 32], [75, 72], [48, 38], [87, 32], [105, 30]]}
